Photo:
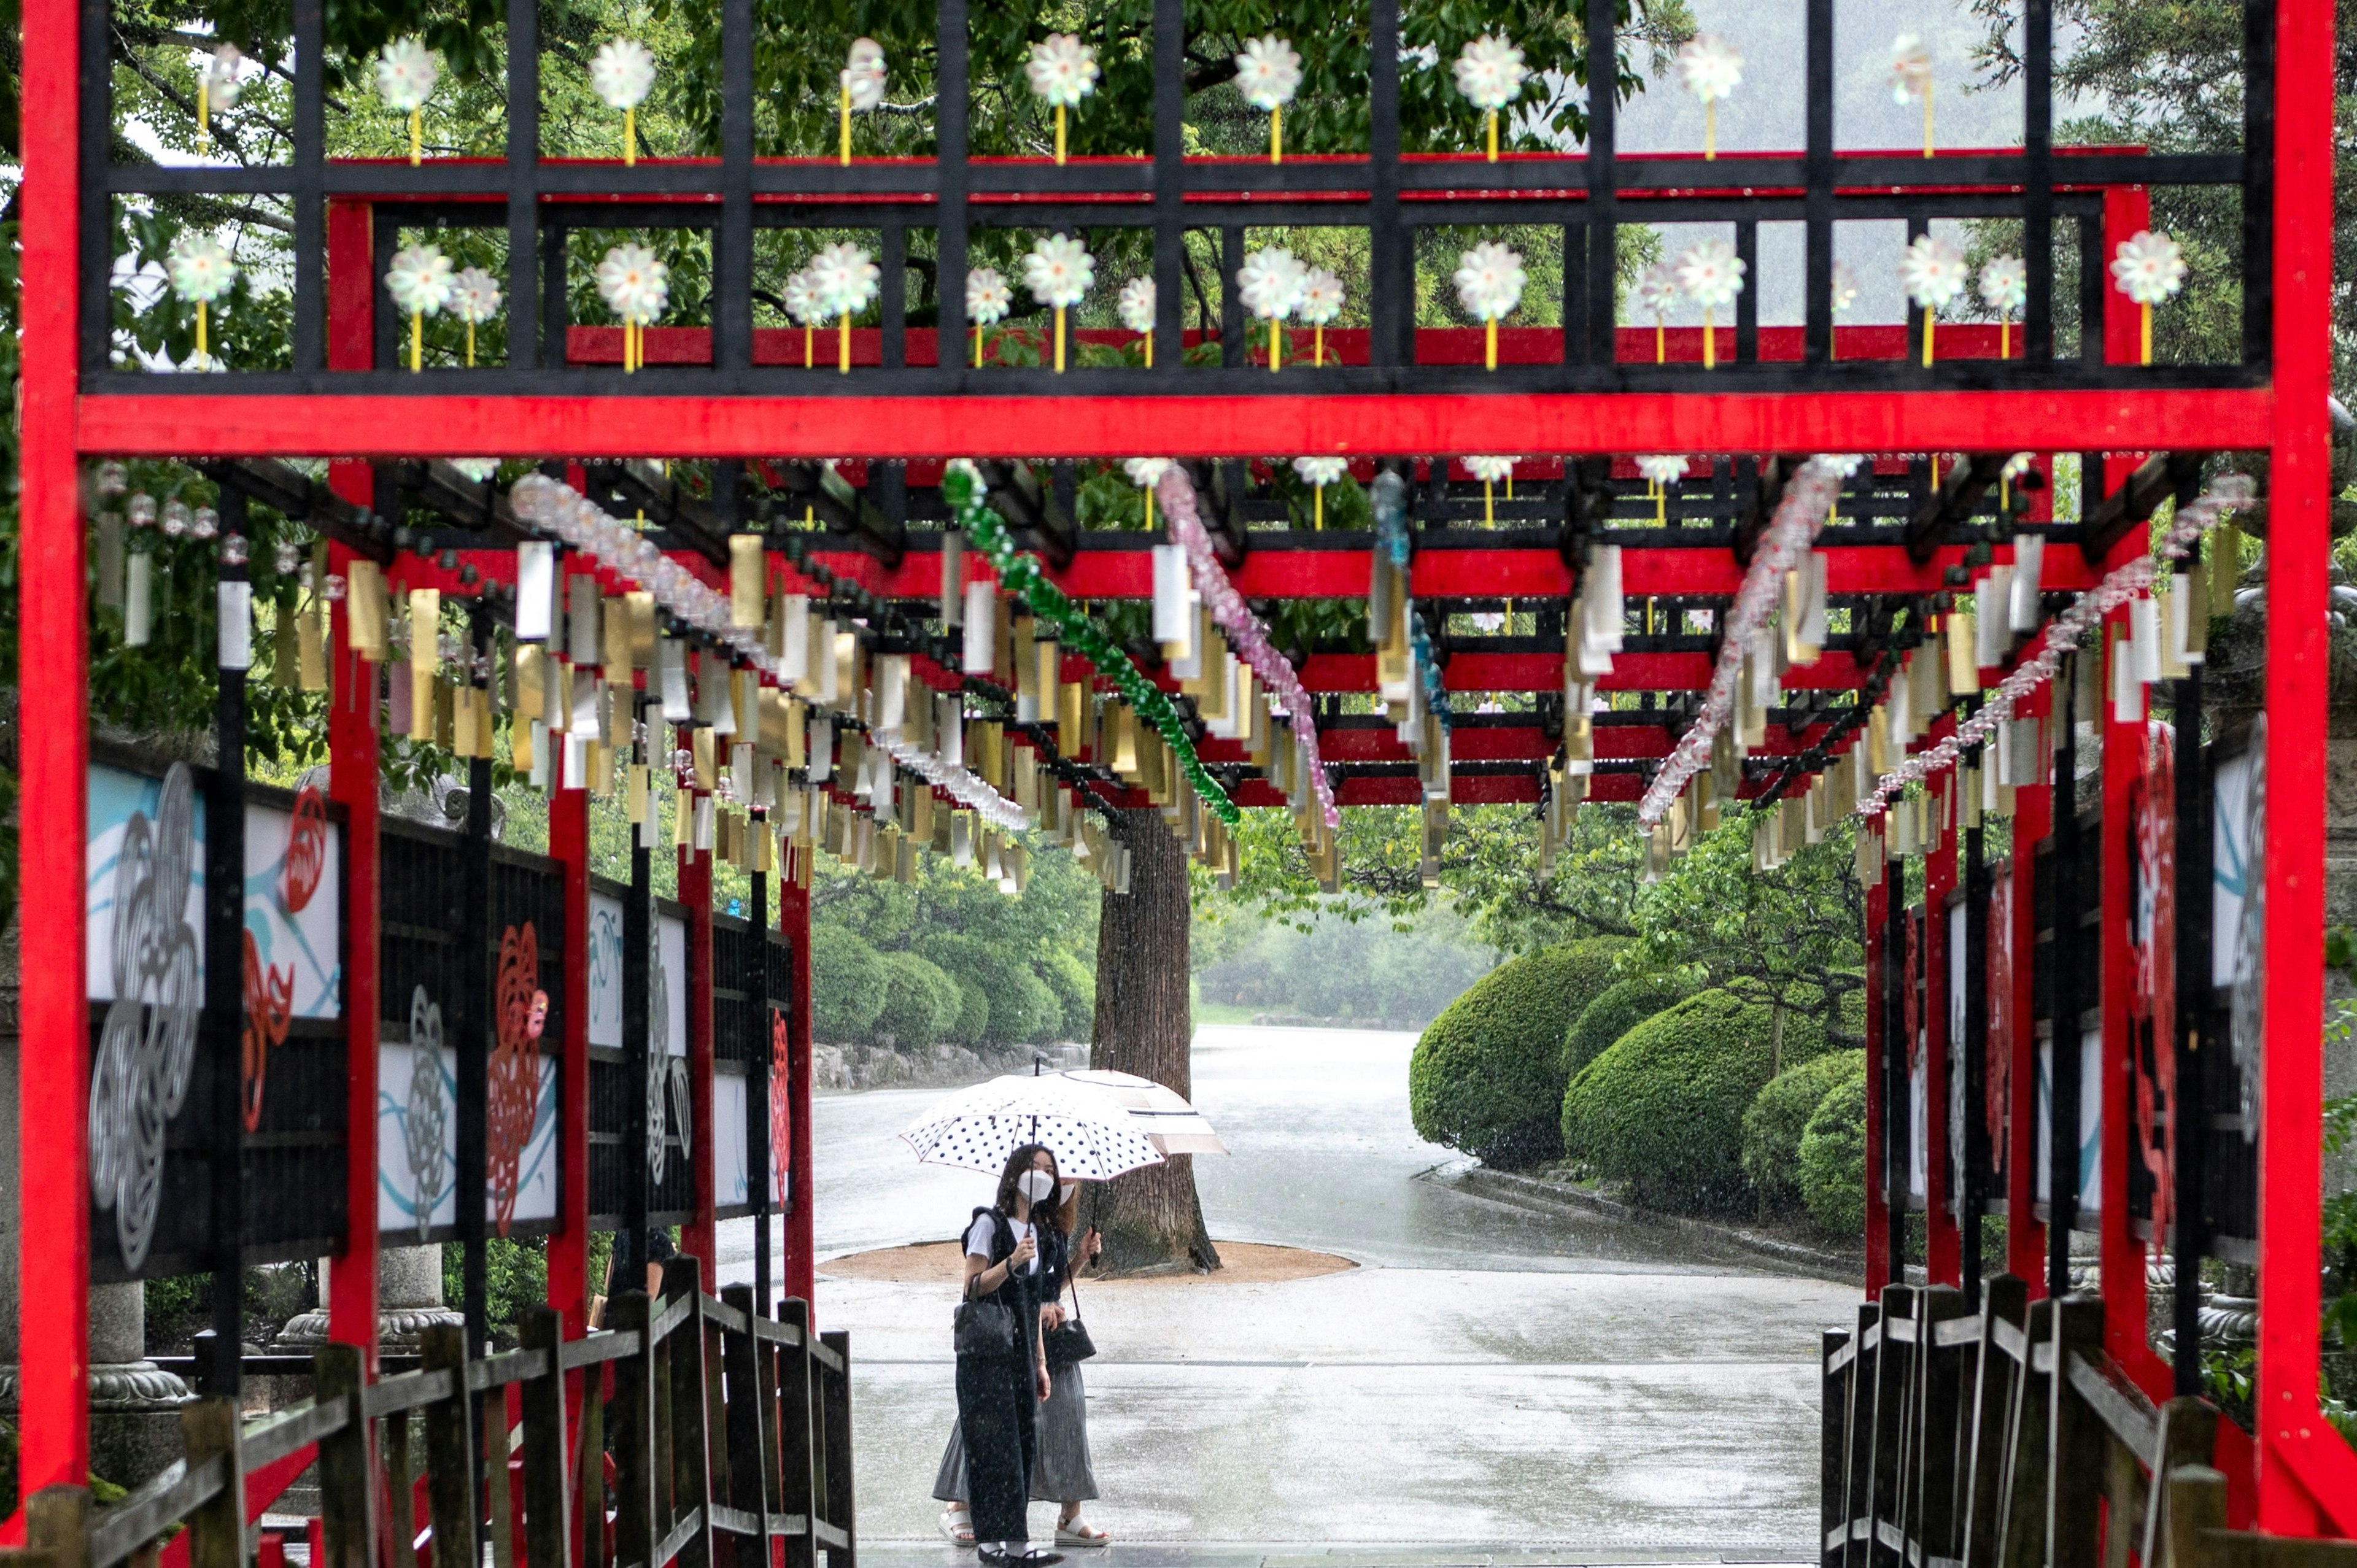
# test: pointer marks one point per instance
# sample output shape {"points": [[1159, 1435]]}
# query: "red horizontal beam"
{"points": [[589, 425]]}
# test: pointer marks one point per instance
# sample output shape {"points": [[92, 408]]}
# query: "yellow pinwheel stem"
{"points": [[1709, 130], [416, 340], [1489, 504], [1936, 470], [200, 328], [1148, 339], [1276, 343], [1150, 509], [1317, 507], [2004, 495], [1930, 336], [847, 124], [1494, 135], [809, 348], [1661, 520], [977, 345], [843, 345], [1489, 344], [630, 137], [1059, 132], [1709, 341], [204, 111], [1317, 344], [1510, 484], [1060, 331], [2004, 337], [2145, 330], [1926, 116], [1276, 135], [416, 136], [1661, 342], [470, 343]]}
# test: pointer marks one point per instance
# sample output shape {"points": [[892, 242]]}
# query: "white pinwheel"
{"points": [[987, 300], [1146, 473], [863, 86], [1492, 471], [1318, 473], [1490, 72], [1933, 273], [1489, 281], [1712, 70], [1662, 470], [622, 74], [1271, 285], [1268, 73], [2004, 288], [1658, 294], [1911, 77], [200, 272], [1059, 271], [1062, 72], [1135, 307], [636, 286], [2150, 268], [419, 282], [1711, 274], [218, 86], [843, 279], [1321, 302], [476, 468], [474, 299], [405, 73]]}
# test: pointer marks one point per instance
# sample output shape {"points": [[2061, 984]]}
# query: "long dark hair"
{"points": [[1016, 1163]]}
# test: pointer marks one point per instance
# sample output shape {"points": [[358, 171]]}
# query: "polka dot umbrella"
{"points": [[1092, 1134]]}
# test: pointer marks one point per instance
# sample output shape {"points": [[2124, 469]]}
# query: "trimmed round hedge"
{"points": [[1774, 1126], [1832, 1163], [846, 986], [921, 1001], [1075, 985], [1624, 1004], [1021, 1009], [1661, 1109], [1487, 1075]]}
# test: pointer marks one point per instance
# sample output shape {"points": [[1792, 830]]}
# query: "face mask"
{"points": [[1036, 1184], [1065, 1193]]}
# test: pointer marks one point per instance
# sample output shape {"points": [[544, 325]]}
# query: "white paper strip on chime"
{"points": [[1890, 732], [949, 728], [2184, 624], [953, 584], [1993, 618], [719, 704], [962, 839], [670, 678], [1188, 664], [585, 636], [1963, 652], [891, 689], [1173, 619], [793, 638], [740, 772], [826, 664], [535, 568], [980, 653], [748, 565], [2144, 622], [2028, 559], [2123, 667], [1603, 611], [1804, 609], [1928, 675], [233, 631], [821, 765]]}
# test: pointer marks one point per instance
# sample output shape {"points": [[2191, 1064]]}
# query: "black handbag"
{"points": [[984, 1327], [1069, 1343]]}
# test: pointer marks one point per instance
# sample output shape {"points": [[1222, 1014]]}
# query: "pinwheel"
{"points": [[1136, 309], [405, 73], [1490, 72], [803, 304], [986, 302], [1711, 273], [1712, 70], [1845, 295], [1662, 472], [1268, 73], [1059, 272], [1146, 473], [419, 281], [2004, 288], [1933, 273], [2149, 269], [2015, 467], [622, 74], [1489, 470], [863, 85], [1270, 284], [475, 299], [200, 272], [1911, 77], [1318, 473], [1321, 302], [1063, 70], [1658, 292], [218, 85], [1489, 281], [843, 279], [636, 286]]}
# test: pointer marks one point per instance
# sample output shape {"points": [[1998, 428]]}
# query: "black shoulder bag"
{"points": [[984, 1327], [1069, 1343]]}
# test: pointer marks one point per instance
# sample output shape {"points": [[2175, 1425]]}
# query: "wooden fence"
{"points": [[1950, 1441], [729, 1429]]}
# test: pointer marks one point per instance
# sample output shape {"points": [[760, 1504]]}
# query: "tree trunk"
{"points": [[1151, 1219]]}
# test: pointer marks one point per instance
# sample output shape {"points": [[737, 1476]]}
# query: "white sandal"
{"points": [[1079, 1532], [957, 1526]]}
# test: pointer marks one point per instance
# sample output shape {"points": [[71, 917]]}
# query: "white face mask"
{"points": [[1065, 1195], [1036, 1184]]}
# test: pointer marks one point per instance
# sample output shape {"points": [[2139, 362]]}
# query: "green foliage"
{"points": [[1485, 1077], [1619, 1008], [1335, 962], [921, 1003], [846, 984], [1774, 1126], [516, 1277], [1833, 1159], [1075, 985], [972, 1021], [1662, 1109], [1023, 1011]]}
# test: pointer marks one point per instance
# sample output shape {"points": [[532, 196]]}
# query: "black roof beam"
{"points": [[2158, 478]]}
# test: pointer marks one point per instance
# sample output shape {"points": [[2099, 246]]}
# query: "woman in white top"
{"points": [[999, 1395]]}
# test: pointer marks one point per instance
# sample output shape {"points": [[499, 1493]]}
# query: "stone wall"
{"points": [[842, 1069]]}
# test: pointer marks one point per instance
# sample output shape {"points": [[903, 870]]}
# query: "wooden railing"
{"points": [[725, 1422], [1951, 1442]]}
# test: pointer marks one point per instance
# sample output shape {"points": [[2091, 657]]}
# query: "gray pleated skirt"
{"points": [[1059, 1469]]}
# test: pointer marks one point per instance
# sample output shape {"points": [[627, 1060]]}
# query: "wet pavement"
{"points": [[1490, 1383]]}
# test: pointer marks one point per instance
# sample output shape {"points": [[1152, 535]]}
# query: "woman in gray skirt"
{"points": [[1060, 1472]]}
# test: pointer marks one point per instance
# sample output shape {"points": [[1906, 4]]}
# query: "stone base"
{"points": [[400, 1330]]}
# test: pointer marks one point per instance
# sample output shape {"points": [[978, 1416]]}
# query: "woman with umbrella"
{"points": [[1000, 1386]]}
